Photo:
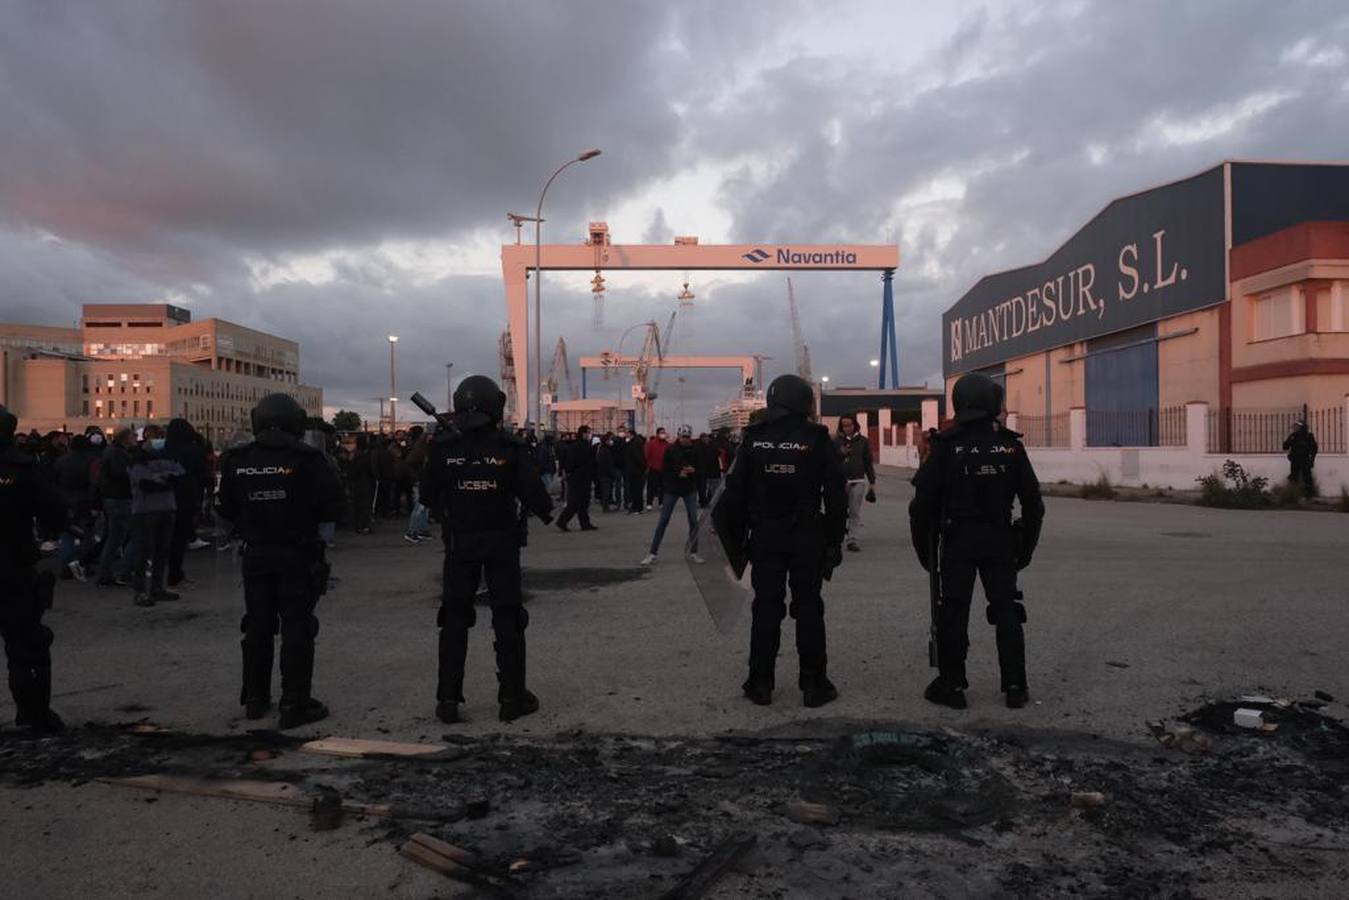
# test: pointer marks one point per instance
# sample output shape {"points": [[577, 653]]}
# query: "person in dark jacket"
{"points": [[362, 479], [153, 506], [960, 520], [679, 476], [477, 481], [605, 471], [784, 494], [655, 463], [619, 448], [114, 490], [636, 473], [27, 498], [386, 470], [578, 468], [184, 446], [859, 473], [277, 490], [74, 481], [1301, 447]]}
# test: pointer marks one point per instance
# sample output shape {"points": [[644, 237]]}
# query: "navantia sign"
{"points": [[1143, 258]]}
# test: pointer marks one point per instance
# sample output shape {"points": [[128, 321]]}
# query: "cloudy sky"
{"points": [[338, 170]]}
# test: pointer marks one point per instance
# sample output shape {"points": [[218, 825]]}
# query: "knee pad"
{"points": [[774, 609], [808, 609], [1003, 614], [457, 616], [43, 637], [510, 619]]}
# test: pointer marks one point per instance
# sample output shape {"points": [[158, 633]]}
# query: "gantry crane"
{"points": [[559, 375]]}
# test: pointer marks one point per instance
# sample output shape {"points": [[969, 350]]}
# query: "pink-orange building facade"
{"points": [[138, 363], [1229, 289]]}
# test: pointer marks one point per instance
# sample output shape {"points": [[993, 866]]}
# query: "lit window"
{"points": [[150, 408]]}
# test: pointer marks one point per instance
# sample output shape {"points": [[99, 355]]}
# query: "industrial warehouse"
{"points": [[1225, 289]]}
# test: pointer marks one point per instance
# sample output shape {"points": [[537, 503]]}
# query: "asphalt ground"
{"points": [[1137, 612]]}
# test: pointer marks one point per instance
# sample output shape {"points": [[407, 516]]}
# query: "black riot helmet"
{"points": [[976, 397], [478, 402], [9, 423], [279, 412], [790, 395]]}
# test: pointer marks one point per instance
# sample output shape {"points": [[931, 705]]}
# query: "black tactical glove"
{"points": [[871, 495], [1023, 552], [833, 558]]}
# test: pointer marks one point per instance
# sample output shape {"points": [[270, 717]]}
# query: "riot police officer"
{"points": [[25, 496], [786, 490], [961, 521], [475, 481], [276, 490]]}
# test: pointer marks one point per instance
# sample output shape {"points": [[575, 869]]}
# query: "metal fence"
{"points": [[1137, 428], [1044, 431], [1265, 430]]}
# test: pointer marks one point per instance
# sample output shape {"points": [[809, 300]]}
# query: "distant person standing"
{"points": [[636, 473], [680, 485], [1301, 447], [655, 465], [114, 489], [153, 506], [859, 473], [578, 468]]}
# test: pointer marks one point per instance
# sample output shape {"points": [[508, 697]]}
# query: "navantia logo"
{"points": [[756, 256]]}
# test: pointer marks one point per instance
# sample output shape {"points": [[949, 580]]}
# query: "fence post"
{"points": [[911, 432], [1077, 428], [930, 414], [1196, 429], [1345, 424]]}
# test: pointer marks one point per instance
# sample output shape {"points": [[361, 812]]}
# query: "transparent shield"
{"points": [[725, 595]]}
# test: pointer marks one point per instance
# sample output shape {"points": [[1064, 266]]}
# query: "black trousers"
{"points": [[184, 529], [794, 560], [636, 490], [362, 504], [1301, 473], [655, 487], [24, 597], [280, 595], [151, 535], [471, 558], [578, 501], [997, 572]]}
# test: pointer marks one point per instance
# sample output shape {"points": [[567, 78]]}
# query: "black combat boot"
{"points": [[514, 698], [256, 694], [945, 693], [450, 682], [297, 712], [35, 710], [1017, 697], [817, 690], [759, 689]]}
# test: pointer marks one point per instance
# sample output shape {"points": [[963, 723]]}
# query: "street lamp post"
{"points": [[537, 367], [393, 387]]}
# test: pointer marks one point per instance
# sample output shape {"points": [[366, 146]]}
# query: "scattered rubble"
{"points": [[822, 809]]}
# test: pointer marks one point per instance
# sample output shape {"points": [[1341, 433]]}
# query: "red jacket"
{"points": [[655, 454]]}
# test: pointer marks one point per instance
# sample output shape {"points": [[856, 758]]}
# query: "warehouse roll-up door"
{"points": [[1122, 390]]}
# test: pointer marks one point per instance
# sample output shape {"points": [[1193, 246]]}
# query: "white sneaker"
{"points": [[649, 559], [198, 544], [76, 570], [696, 558]]}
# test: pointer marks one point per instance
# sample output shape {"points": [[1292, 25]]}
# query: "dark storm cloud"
{"points": [[1024, 99], [155, 149]]}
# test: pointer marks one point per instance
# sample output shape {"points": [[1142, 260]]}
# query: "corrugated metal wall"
{"points": [[1122, 389]]}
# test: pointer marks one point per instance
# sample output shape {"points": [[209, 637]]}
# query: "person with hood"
{"points": [[1301, 447], [655, 465], [27, 499], [480, 483], [184, 446], [680, 471], [153, 507], [960, 520], [114, 491], [578, 468], [277, 490], [858, 472], [784, 494]]}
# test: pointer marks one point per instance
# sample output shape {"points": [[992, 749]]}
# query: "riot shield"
{"points": [[720, 578]]}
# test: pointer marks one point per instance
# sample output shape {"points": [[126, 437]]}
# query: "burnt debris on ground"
{"points": [[842, 810]]}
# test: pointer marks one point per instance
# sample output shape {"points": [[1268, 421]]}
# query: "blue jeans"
{"points": [[420, 520], [667, 510]]}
